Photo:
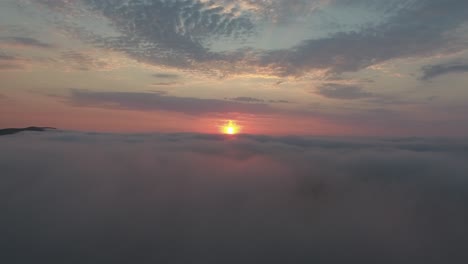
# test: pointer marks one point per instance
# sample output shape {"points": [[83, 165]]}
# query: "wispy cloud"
{"points": [[166, 75], [434, 71], [247, 99], [410, 32], [81, 61], [339, 91], [24, 42], [10, 62], [170, 32], [6, 57], [163, 102], [180, 33], [164, 83]]}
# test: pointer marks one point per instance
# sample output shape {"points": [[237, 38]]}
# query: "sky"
{"points": [[74, 197], [275, 67]]}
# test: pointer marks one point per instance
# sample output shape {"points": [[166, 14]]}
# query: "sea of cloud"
{"points": [[69, 197]]}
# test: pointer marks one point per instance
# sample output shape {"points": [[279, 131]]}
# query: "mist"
{"points": [[69, 197]]}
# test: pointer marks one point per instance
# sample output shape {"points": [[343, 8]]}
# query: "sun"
{"points": [[230, 128]]}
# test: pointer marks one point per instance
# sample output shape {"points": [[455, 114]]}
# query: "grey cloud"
{"points": [[10, 62], [279, 101], [168, 32], [339, 91], [158, 101], [410, 32], [80, 61], [247, 99], [170, 79], [434, 71], [54, 4], [166, 75], [26, 42], [178, 34], [10, 66], [188, 198], [354, 92], [279, 11], [159, 92], [6, 57], [164, 83]]}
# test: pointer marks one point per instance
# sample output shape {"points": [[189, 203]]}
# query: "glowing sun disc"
{"points": [[230, 128]]}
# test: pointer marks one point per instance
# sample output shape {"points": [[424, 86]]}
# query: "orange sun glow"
{"points": [[230, 128]]}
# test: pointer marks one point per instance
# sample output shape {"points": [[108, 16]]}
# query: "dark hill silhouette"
{"points": [[9, 131]]}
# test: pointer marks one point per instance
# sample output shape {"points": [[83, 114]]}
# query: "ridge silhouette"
{"points": [[10, 131]]}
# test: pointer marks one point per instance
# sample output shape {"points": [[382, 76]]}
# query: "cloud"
{"points": [[164, 83], [401, 36], [279, 12], [55, 4], [410, 32], [247, 99], [354, 92], [434, 71], [279, 101], [169, 79], [25, 42], [10, 62], [10, 66], [163, 102], [81, 61], [188, 198], [179, 34], [6, 57], [166, 75], [339, 91], [169, 32]]}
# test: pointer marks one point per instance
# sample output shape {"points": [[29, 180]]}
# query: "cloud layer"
{"points": [[189, 198], [171, 32], [160, 101], [180, 33]]}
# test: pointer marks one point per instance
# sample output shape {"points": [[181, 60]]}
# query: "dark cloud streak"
{"points": [[434, 71], [162, 102], [247, 99], [82, 62], [166, 75], [338, 91], [26, 42], [10, 62], [164, 83]]}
